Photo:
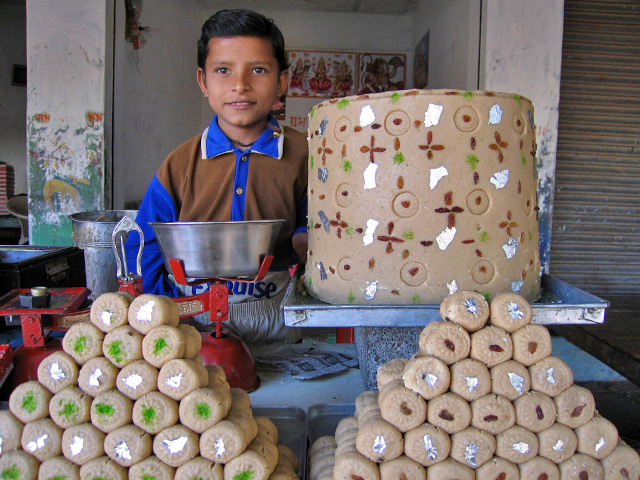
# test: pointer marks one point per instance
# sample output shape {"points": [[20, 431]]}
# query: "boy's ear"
{"points": [[283, 82], [202, 82]]}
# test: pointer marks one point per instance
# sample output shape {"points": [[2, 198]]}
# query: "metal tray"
{"points": [[322, 420], [560, 304], [292, 430]]}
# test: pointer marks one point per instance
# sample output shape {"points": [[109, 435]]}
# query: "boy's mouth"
{"points": [[240, 104]]}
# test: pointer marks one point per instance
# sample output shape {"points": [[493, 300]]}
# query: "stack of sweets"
{"points": [[129, 397], [484, 399]]}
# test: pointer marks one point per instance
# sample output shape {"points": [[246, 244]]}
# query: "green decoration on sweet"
{"points": [[160, 345], [523, 159], [105, 409], [351, 297], [311, 161], [68, 409], [530, 235], [468, 95], [472, 161], [203, 410], [346, 165], [11, 473], [395, 97], [349, 231], [58, 477], [312, 113], [80, 344], [484, 236], [487, 296], [408, 235], [309, 282], [148, 477], [116, 351], [342, 104], [149, 414], [415, 299], [398, 158], [100, 478], [246, 475], [30, 402], [518, 98]]}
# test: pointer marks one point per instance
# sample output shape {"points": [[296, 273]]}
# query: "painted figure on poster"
{"points": [[342, 79], [300, 77], [320, 83], [379, 74]]}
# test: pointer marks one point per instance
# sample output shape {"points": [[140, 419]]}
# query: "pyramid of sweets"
{"points": [[129, 397], [483, 398]]}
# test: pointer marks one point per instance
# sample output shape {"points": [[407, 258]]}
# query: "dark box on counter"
{"points": [[26, 266]]}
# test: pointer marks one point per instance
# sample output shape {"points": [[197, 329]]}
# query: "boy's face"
{"points": [[241, 82]]}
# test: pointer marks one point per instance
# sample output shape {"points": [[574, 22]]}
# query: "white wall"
{"points": [[454, 41], [13, 99]]}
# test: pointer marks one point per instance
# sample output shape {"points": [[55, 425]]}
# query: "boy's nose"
{"points": [[240, 83]]}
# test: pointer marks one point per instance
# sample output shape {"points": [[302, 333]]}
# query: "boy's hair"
{"points": [[241, 22]]}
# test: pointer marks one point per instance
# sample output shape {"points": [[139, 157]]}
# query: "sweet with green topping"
{"points": [[30, 402]]}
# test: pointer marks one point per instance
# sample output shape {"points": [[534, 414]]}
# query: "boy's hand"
{"points": [[300, 241]]}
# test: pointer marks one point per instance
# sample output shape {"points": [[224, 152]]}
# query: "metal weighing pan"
{"points": [[560, 304]]}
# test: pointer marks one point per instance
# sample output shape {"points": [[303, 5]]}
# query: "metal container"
{"points": [[217, 249], [92, 233]]}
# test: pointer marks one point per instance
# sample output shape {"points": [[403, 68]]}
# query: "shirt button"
{"points": [[239, 191], [244, 158]]}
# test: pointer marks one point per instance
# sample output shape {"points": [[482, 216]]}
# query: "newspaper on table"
{"points": [[305, 361]]}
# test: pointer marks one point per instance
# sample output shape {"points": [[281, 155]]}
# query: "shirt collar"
{"points": [[271, 142]]}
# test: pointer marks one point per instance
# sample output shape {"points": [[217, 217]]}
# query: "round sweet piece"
{"points": [[204, 407], [82, 443], [531, 344], [597, 438], [491, 345], [445, 340], [551, 376], [199, 467], [451, 468], [122, 346], [557, 443], [622, 463], [401, 407], [353, 464], [510, 311], [127, 445], [286, 455], [517, 444], [193, 340], [178, 378], [70, 407], [535, 411], [510, 379], [223, 442], [29, 401], [470, 310], [427, 445], [449, 412], [163, 343], [58, 371], [176, 445], [472, 447], [403, 467], [537, 468], [42, 439], [379, 441], [575, 406], [83, 341], [151, 468], [154, 412], [111, 410], [58, 468], [103, 468], [427, 376], [389, 371], [470, 379], [109, 311], [97, 375], [137, 379], [498, 468], [492, 413], [148, 311], [18, 465], [10, 432], [581, 466]]}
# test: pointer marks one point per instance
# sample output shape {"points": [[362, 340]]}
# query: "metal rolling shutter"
{"points": [[595, 242]]}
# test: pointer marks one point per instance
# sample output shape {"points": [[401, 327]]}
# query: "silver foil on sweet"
{"points": [[559, 446], [430, 378], [379, 444], [495, 115], [76, 445], [446, 237], [500, 179], [370, 176], [432, 115], [133, 381], [370, 291], [174, 381], [429, 447], [219, 447], [323, 126], [550, 378], [177, 445], [514, 311], [600, 443], [1, 445], [55, 372], [323, 174], [368, 234], [517, 382], [326, 224], [367, 116], [453, 287], [105, 317], [531, 122], [146, 311], [517, 286], [122, 450], [37, 443], [471, 306], [93, 378], [437, 174], [521, 447], [323, 272], [470, 453], [472, 383], [510, 248]]}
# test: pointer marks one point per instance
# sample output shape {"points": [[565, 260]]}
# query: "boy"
{"points": [[243, 167]]}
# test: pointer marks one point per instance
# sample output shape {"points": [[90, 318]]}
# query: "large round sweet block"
{"points": [[419, 193]]}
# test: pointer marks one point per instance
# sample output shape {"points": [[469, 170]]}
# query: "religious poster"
{"points": [[321, 74], [421, 63], [381, 72]]}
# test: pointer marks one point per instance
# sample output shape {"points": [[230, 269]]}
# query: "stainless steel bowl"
{"points": [[217, 249]]}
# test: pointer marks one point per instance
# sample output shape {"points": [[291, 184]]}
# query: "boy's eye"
{"points": [[259, 70], [222, 70]]}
